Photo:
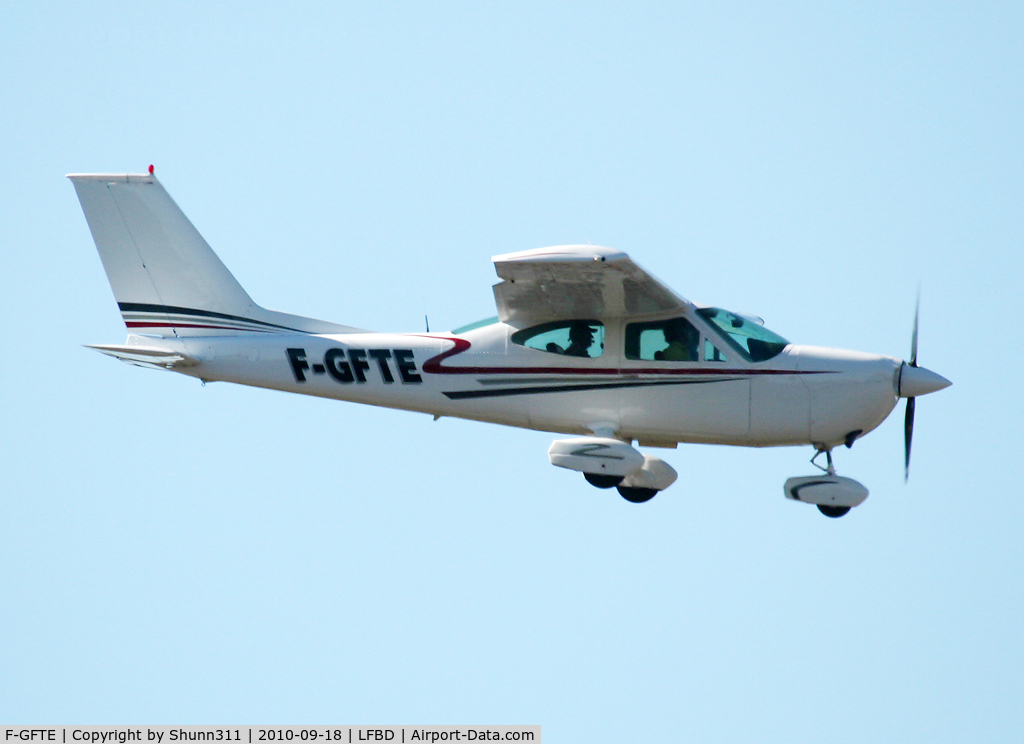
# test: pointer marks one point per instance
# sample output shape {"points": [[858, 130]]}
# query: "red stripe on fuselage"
{"points": [[433, 366]]}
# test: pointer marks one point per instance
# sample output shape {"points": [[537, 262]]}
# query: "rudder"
{"points": [[165, 277]]}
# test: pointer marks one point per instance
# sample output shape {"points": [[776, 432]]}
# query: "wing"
{"points": [[577, 281]]}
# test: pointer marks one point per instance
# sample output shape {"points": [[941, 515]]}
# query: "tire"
{"points": [[637, 495], [834, 512], [602, 481]]}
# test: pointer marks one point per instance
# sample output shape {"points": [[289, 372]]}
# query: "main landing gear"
{"points": [[603, 481], [607, 462], [832, 494], [637, 495], [633, 494]]}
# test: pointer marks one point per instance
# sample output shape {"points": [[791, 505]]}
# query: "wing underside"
{"points": [[577, 281]]}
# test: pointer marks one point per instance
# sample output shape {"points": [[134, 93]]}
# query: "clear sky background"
{"points": [[173, 553]]}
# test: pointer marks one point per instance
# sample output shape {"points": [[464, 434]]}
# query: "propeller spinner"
{"points": [[915, 381]]}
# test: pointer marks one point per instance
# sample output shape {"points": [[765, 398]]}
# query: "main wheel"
{"points": [[603, 481], [637, 495], [833, 511]]}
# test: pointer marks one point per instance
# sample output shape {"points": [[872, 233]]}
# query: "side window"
{"points": [[579, 338], [711, 352], [673, 340]]}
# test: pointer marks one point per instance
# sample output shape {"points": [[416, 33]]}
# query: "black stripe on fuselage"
{"points": [[140, 307], [463, 394]]}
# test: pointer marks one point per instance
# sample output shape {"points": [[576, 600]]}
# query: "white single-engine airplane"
{"points": [[585, 343]]}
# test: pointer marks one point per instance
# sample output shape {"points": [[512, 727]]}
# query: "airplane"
{"points": [[586, 343]]}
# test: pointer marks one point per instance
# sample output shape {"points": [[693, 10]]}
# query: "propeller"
{"points": [[908, 419], [915, 380]]}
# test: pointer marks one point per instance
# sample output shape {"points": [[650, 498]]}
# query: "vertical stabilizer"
{"points": [[166, 279]]}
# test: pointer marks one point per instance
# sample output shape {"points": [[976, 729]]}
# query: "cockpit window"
{"points": [[755, 342], [579, 338], [711, 352], [672, 340]]}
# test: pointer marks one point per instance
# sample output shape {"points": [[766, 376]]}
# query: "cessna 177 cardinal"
{"points": [[586, 343]]}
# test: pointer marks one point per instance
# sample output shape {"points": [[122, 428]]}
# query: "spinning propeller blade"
{"points": [[908, 436], [908, 420], [913, 338]]}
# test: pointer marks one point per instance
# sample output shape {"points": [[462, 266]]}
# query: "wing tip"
{"points": [[563, 253]]}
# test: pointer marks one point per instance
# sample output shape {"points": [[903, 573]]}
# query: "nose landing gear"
{"points": [[833, 511], [832, 494]]}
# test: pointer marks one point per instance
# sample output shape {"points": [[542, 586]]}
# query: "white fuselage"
{"points": [[588, 343], [804, 395]]}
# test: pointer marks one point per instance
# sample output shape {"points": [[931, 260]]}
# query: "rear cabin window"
{"points": [[578, 338], [474, 326]]}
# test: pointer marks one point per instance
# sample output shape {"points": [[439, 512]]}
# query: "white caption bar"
{"points": [[265, 734]]}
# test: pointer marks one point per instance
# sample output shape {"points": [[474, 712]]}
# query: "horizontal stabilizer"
{"points": [[147, 356]]}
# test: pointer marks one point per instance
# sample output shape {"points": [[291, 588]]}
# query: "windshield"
{"points": [[753, 341]]}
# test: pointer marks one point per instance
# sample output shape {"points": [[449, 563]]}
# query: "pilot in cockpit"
{"points": [[581, 337], [682, 342]]}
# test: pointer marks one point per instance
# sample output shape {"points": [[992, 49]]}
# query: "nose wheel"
{"points": [[833, 511], [832, 494]]}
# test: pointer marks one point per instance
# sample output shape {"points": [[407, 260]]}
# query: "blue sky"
{"points": [[173, 553]]}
